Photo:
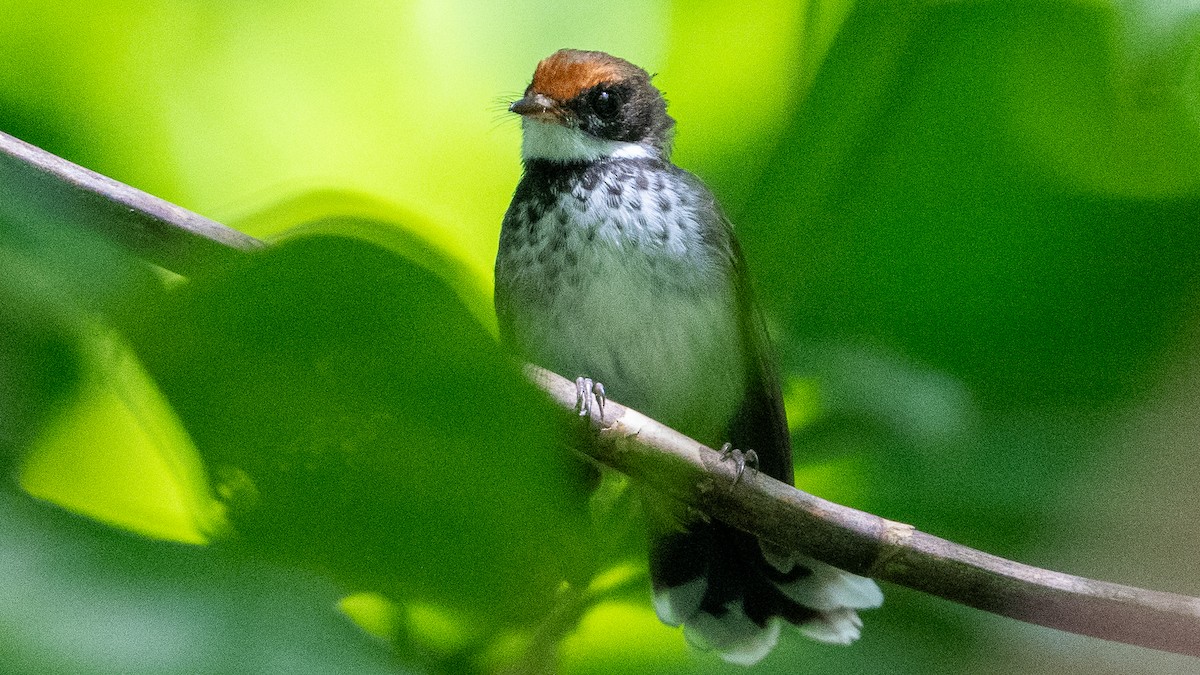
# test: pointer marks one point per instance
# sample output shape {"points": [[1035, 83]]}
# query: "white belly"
{"points": [[620, 280], [672, 353]]}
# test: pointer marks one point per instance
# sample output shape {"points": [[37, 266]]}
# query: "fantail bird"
{"points": [[616, 265]]}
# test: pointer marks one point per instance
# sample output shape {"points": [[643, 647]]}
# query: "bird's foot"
{"points": [[740, 460], [590, 399]]}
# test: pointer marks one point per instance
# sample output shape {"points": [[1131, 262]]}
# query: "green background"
{"points": [[974, 227]]}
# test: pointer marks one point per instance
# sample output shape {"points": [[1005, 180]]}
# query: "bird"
{"points": [[619, 268]]}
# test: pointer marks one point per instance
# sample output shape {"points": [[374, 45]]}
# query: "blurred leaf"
{"points": [[873, 387], [364, 217], [39, 369], [357, 419], [619, 637], [373, 613], [119, 454], [1103, 109], [55, 283], [733, 73], [905, 186], [78, 597]]}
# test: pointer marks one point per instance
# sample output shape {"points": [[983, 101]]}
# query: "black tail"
{"points": [[732, 596]]}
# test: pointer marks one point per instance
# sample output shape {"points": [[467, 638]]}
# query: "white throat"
{"points": [[548, 140]]}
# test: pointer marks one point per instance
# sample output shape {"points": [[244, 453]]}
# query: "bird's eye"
{"points": [[605, 102]]}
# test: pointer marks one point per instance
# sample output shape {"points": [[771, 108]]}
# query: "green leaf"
{"points": [[55, 285], [970, 185], [357, 419], [80, 597]]}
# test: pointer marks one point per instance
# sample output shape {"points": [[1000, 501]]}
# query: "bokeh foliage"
{"points": [[973, 224]]}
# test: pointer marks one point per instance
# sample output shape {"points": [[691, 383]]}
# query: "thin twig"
{"points": [[36, 183], [658, 456]]}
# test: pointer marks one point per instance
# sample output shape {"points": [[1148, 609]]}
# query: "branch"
{"points": [[855, 541], [33, 181], [866, 544]]}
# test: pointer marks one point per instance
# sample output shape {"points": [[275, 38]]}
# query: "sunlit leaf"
{"points": [[119, 454]]}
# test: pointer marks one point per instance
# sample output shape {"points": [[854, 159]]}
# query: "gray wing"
{"points": [[501, 295], [760, 423]]}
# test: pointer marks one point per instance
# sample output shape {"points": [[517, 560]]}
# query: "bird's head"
{"points": [[582, 106]]}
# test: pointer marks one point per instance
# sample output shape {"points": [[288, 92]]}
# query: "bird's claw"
{"points": [[590, 398], [740, 460]]}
